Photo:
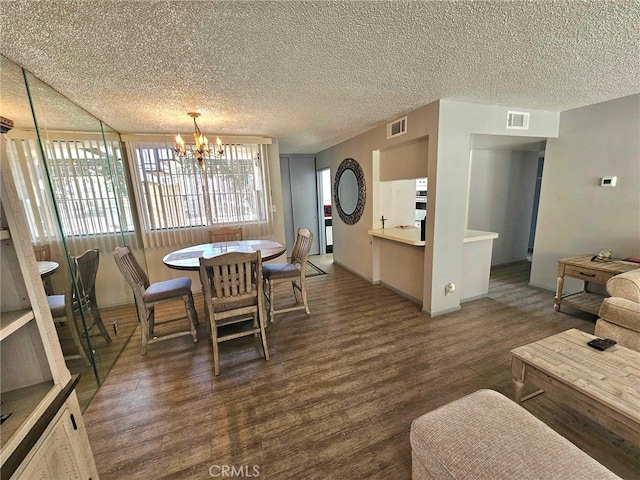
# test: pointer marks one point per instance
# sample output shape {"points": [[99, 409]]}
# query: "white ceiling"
{"points": [[312, 74]]}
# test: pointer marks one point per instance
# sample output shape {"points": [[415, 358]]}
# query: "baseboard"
{"points": [[542, 287], [367, 279], [476, 297], [402, 294], [442, 312]]}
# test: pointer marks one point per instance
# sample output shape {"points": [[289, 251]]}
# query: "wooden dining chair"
{"points": [[294, 272], [43, 253], [86, 270], [232, 286], [225, 234], [148, 295]]}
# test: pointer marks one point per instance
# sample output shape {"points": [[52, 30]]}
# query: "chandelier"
{"points": [[202, 144]]}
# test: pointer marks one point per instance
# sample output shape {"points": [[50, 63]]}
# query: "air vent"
{"points": [[518, 120], [399, 127]]}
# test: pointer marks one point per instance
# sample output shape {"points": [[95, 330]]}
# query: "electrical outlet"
{"points": [[449, 288], [273, 209]]}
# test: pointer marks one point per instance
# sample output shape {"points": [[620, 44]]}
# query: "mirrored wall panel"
{"points": [[70, 169]]}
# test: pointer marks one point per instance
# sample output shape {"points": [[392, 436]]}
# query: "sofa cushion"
{"points": [[487, 436], [625, 337], [625, 285], [622, 312]]}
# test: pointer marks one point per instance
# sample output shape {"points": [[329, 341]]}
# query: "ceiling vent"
{"points": [[518, 120], [399, 127]]}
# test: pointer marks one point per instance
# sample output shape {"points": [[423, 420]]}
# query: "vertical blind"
{"points": [[179, 200], [88, 180]]}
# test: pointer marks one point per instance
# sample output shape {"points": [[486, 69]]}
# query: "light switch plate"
{"points": [[608, 181]]}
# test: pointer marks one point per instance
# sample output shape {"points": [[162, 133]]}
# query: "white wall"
{"points": [[449, 193], [398, 206], [576, 215], [501, 191]]}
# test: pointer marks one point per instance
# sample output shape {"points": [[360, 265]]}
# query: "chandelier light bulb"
{"points": [[202, 144]]}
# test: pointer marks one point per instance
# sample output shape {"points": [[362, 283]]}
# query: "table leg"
{"points": [[517, 374], [558, 298]]}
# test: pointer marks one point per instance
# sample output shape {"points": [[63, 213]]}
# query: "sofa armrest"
{"points": [[621, 311], [625, 285]]}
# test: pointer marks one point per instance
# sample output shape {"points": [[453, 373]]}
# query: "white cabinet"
{"points": [[53, 456], [36, 388]]}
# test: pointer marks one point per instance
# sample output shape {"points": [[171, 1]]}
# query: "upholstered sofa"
{"points": [[620, 313], [486, 436]]}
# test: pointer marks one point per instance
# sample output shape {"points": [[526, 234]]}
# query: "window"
{"points": [[89, 187], [177, 196], [88, 180]]}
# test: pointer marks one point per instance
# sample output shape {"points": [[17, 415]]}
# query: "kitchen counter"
{"points": [[478, 235], [476, 258], [410, 236]]}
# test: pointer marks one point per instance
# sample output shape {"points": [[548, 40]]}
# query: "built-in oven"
{"points": [[421, 200]]}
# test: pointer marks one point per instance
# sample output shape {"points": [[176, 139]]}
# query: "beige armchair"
{"points": [[620, 313]]}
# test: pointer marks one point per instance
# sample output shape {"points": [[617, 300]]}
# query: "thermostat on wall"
{"points": [[608, 181]]}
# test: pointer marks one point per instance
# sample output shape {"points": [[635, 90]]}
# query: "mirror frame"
{"points": [[353, 217]]}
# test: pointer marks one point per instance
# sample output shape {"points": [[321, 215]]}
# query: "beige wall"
{"points": [[576, 215], [448, 127], [352, 245]]}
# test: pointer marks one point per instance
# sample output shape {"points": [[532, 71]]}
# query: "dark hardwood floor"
{"points": [[337, 398]]}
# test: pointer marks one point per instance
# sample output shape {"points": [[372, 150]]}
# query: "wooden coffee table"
{"points": [[604, 386]]}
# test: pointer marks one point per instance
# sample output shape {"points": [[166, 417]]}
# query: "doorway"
{"points": [[324, 213], [536, 201], [300, 204], [504, 190]]}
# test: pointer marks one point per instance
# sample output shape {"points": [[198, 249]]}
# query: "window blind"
{"points": [[89, 188], [179, 200]]}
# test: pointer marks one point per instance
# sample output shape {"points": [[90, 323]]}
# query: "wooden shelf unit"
{"points": [[44, 435]]}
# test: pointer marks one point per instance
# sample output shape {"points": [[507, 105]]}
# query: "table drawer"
{"points": [[586, 274]]}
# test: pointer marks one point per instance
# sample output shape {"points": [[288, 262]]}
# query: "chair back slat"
{"points": [[42, 252], [302, 247], [225, 234], [231, 277], [131, 269], [87, 269]]}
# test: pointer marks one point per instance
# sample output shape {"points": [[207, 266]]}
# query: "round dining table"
{"points": [[189, 258], [47, 267]]}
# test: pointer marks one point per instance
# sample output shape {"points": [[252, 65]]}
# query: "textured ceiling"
{"points": [[312, 74]]}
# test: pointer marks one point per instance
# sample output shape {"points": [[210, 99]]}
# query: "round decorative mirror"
{"points": [[349, 191]]}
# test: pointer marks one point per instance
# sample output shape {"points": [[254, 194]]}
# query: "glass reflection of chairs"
{"points": [[148, 295], [86, 266], [63, 313], [43, 253], [232, 287], [80, 297], [225, 234], [294, 272]]}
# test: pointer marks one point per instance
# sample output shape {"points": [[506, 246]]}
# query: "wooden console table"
{"points": [[585, 269]]}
